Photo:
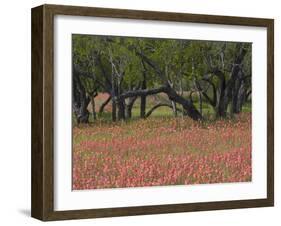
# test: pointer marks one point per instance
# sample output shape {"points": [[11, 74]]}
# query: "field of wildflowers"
{"points": [[161, 151]]}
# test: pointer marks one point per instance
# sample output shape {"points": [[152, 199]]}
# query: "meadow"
{"points": [[158, 111], [161, 150]]}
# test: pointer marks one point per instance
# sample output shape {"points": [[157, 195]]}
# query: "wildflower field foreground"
{"points": [[161, 151]]}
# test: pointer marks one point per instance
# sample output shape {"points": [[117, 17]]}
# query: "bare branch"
{"points": [[158, 106]]}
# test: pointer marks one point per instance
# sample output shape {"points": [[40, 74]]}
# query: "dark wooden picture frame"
{"points": [[42, 203]]}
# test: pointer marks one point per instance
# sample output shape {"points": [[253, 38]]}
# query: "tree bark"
{"points": [[241, 98], [113, 113], [240, 92], [104, 105], [80, 100], [114, 108], [94, 107], [200, 103], [235, 96], [222, 107], [189, 108], [143, 98], [147, 92], [129, 107], [231, 89], [226, 88], [121, 108]]}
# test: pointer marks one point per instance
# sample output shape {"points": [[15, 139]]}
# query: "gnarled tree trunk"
{"points": [[80, 100], [189, 108], [228, 91]]}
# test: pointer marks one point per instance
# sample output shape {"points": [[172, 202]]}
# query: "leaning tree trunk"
{"points": [[80, 100], [189, 108], [104, 104]]}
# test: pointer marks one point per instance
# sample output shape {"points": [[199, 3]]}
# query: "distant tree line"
{"points": [[216, 73]]}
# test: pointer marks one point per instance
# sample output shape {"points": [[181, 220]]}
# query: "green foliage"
{"points": [[182, 63]]}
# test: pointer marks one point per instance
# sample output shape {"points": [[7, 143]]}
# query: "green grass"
{"points": [[247, 107]]}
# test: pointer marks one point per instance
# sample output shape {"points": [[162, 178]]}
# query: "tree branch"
{"points": [[159, 105], [144, 92]]}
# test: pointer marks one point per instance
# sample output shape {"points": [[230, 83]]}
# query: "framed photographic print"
{"points": [[141, 112]]}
